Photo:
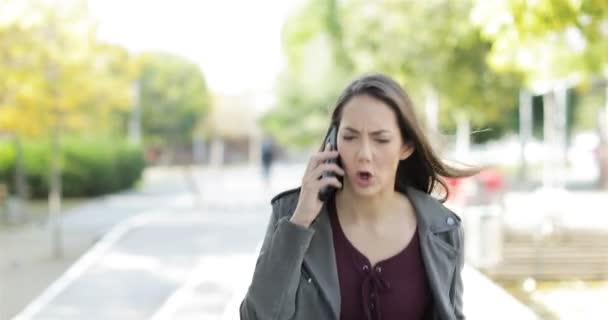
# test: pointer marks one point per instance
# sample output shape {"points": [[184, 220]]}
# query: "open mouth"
{"points": [[364, 175]]}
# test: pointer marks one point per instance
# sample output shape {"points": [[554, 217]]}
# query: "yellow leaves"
{"points": [[12, 120], [51, 61], [75, 122]]}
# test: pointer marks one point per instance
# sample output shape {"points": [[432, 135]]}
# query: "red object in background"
{"points": [[453, 182], [490, 183], [455, 186], [491, 179]]}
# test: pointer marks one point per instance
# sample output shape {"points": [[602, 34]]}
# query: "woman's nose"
{"points": [[365, 152]]}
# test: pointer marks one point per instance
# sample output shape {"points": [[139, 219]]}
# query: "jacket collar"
{"points": [[432, 216], [439, 257]]}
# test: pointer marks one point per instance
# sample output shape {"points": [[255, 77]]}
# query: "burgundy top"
{"points": [[395, 288]]}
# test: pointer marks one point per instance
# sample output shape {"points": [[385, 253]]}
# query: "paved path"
{"points": [[26, 263]]}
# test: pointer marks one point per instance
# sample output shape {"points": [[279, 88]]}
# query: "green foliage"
{"points": [[318, 68], [174, 99], [549, 41], [429, 44], [91, 167], [7, 161], [589, 102], [52, 63]]}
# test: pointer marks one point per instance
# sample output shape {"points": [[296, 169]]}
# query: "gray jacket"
{"points": [[296, 278]]}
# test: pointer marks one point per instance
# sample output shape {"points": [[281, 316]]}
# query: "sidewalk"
{"points": [[26, 263]]}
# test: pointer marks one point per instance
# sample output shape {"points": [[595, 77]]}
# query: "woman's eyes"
{"points": [[348, 138]]}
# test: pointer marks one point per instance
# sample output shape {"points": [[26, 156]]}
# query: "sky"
{"points": [[237, 43]]}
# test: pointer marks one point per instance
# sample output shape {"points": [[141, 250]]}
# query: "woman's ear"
{"points": [[406, 151]]}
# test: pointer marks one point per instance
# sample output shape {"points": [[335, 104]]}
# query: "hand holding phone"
{"points": [[331, 141], [322, 178]]}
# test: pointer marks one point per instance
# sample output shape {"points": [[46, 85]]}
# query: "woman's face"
{"points": [[370, 146]]}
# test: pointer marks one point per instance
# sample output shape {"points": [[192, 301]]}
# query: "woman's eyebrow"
{"points": [[377, 132]]}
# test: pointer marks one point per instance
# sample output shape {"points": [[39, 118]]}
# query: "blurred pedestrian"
{"points": [[382, 247], [267, 154]]}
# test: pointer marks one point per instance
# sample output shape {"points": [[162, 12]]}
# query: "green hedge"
{"points": [[90, 167]]}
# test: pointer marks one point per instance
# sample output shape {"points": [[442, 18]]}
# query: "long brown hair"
{"points": [[423, 169]]}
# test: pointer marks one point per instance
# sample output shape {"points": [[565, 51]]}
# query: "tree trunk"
{"points": [[55, 189], [20, 181]]}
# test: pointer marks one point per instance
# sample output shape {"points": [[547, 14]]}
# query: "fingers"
{"points": [[326, 167], [318, 177], [330, 181], [314, 180], [321, 157]]}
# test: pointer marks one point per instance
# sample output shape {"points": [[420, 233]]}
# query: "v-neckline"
{"points": [[335, 219]]}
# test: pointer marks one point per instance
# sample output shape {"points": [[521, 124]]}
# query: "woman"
{"points": [[382, 247]]}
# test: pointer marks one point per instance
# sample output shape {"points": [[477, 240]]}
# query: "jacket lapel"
{"points": [[440, 257], [320, 259]]}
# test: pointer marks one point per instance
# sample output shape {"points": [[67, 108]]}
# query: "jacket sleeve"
{"points": [[272, 292], [458, 287]]}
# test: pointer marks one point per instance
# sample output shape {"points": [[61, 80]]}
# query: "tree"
{"points": [[432, 46], [548, 41], [52, 78], [429, 47], [114, 71], [52, 63], [556, 45], [318, 67], [174, 98]]}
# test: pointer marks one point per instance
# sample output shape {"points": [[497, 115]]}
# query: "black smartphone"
{"points": [[332, 139]]}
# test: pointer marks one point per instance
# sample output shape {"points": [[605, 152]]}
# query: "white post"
{"points": [[560, 131], [548, 140], [606, 111], [217, 152], [603, 145], [525, 131]]}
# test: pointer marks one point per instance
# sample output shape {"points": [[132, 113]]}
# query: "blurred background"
{"points": [[141, 142]]}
